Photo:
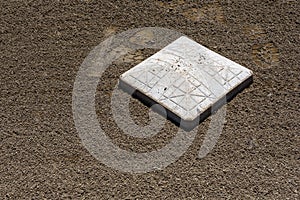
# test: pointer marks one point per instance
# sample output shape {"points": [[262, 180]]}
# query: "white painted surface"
{"points": [[186, 78]]}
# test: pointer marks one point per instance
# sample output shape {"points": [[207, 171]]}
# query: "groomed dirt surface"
{"points": [[43, 44]]}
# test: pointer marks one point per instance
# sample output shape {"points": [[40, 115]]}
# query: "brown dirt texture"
{"points": [[43, 44]]}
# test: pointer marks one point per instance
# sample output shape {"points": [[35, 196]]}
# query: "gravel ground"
{"points": [[43, 44]]}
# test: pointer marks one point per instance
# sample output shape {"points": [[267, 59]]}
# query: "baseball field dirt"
{"points": [[44, 43]]}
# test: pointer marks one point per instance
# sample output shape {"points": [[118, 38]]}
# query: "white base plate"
{"points": [[187, 79]]}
